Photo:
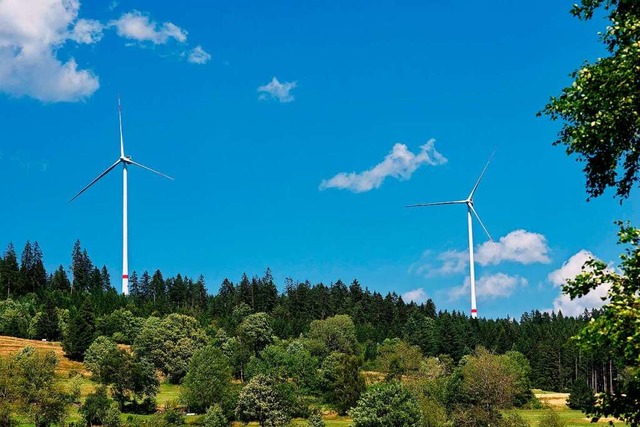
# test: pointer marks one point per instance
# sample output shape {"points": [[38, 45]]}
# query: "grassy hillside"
{"points": [[9, 345]]}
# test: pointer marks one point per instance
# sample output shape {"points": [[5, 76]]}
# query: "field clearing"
{"points": [[11, 345], [553, 400], [572, 417]]}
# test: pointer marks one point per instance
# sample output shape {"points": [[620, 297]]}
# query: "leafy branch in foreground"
{"points": [[617, 330], [601, 109]]}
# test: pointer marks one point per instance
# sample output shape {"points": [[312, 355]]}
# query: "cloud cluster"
{"points": [[519, 246], [417, 295], [137, 26], [569, 270], [497, 285], [276, 90], [32, 34], [400, 163]]}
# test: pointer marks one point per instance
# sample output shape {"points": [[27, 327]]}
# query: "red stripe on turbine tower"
{"points": [[125, 276], [474, 310]]}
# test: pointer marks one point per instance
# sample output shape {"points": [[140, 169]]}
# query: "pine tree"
{"points": [[80, 331], [26, 267], [39, 273], [105, 278], [59, 280], [10, 272]]}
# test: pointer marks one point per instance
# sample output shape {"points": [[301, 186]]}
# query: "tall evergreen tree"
{"points": [[80, 331], [10, 273], [59, 280]]}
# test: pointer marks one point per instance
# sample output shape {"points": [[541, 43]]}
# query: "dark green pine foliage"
{"points": [[80, 331], [47, 325], [59, 280], [134, 286], [81, 269], [10, 273]]}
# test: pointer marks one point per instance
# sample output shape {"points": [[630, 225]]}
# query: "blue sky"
{"points": [[252, 105]]}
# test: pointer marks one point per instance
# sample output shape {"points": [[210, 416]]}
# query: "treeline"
{"points": [[40, 305]]}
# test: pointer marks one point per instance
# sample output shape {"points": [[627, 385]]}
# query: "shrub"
{"points": [[551, 419]]}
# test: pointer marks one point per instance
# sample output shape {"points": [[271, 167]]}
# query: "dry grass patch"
{"points": [[11, 345]]}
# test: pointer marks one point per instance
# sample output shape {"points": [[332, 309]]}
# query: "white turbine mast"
{"points": [[470, 209], [125, 161]]}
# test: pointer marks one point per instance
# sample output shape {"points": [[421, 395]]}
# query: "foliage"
{"points": [[551, 419], [121, 325], [581, 397], [169, 343], [96, 406], [397, 358], [207, 380], [342, 381], [255, 332], [315, 419], [334, 334], [101, 359], [513, 420], [260, 401], [80, 332], [615, 331], [215, 417], [600, 110], [28, 387], [388, 404]]}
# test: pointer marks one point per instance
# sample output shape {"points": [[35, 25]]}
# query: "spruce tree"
{"points": [[10, 272], [80, 332]]}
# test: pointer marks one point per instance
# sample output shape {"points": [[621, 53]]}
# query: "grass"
{"points": [[65, 366], [573, 418]]}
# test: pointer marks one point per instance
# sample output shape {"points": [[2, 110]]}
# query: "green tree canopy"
{"points": [[385, 405], [207, 381], [600, 111]]}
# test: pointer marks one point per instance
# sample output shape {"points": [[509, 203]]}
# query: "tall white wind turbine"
{"points": [[470, 209], [125, 161]]}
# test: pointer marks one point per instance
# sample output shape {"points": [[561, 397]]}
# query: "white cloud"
{"points": [[569, 270], [31, 32], [87, 31], [520, 246], [198, 56], [400, 163], [417, 295], [497, 285], [275, 89], [137, 26]]}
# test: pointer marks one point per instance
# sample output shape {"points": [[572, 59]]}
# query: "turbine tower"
{"points": [[125, 161], [470, 209]]}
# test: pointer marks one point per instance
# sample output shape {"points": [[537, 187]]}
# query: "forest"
{"points": [[308, 347]]}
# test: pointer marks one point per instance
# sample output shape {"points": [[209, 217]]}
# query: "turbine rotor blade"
{"points": [[475, 187], [419, 205], [120, 120], [96, 180], [149, 169], [480, 221]]}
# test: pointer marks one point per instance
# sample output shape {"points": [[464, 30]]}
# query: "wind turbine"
{"points": [[470, 209], [125, 161]]}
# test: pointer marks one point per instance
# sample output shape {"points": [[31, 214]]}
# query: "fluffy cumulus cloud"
{"points": [[569, 270], [276, 90], [519, 246], [400, 163], [498, 285], [198, 56], [417, 295], [31, 32], [138, 26]]}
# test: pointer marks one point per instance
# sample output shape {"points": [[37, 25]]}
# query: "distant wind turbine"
{"points": [[125, 160], [470, 209]]}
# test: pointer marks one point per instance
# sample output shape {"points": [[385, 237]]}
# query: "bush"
{"points": [[315, 419], [388, 404], [215, 417], [513, 420], [551, 419], [581, 396]]}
